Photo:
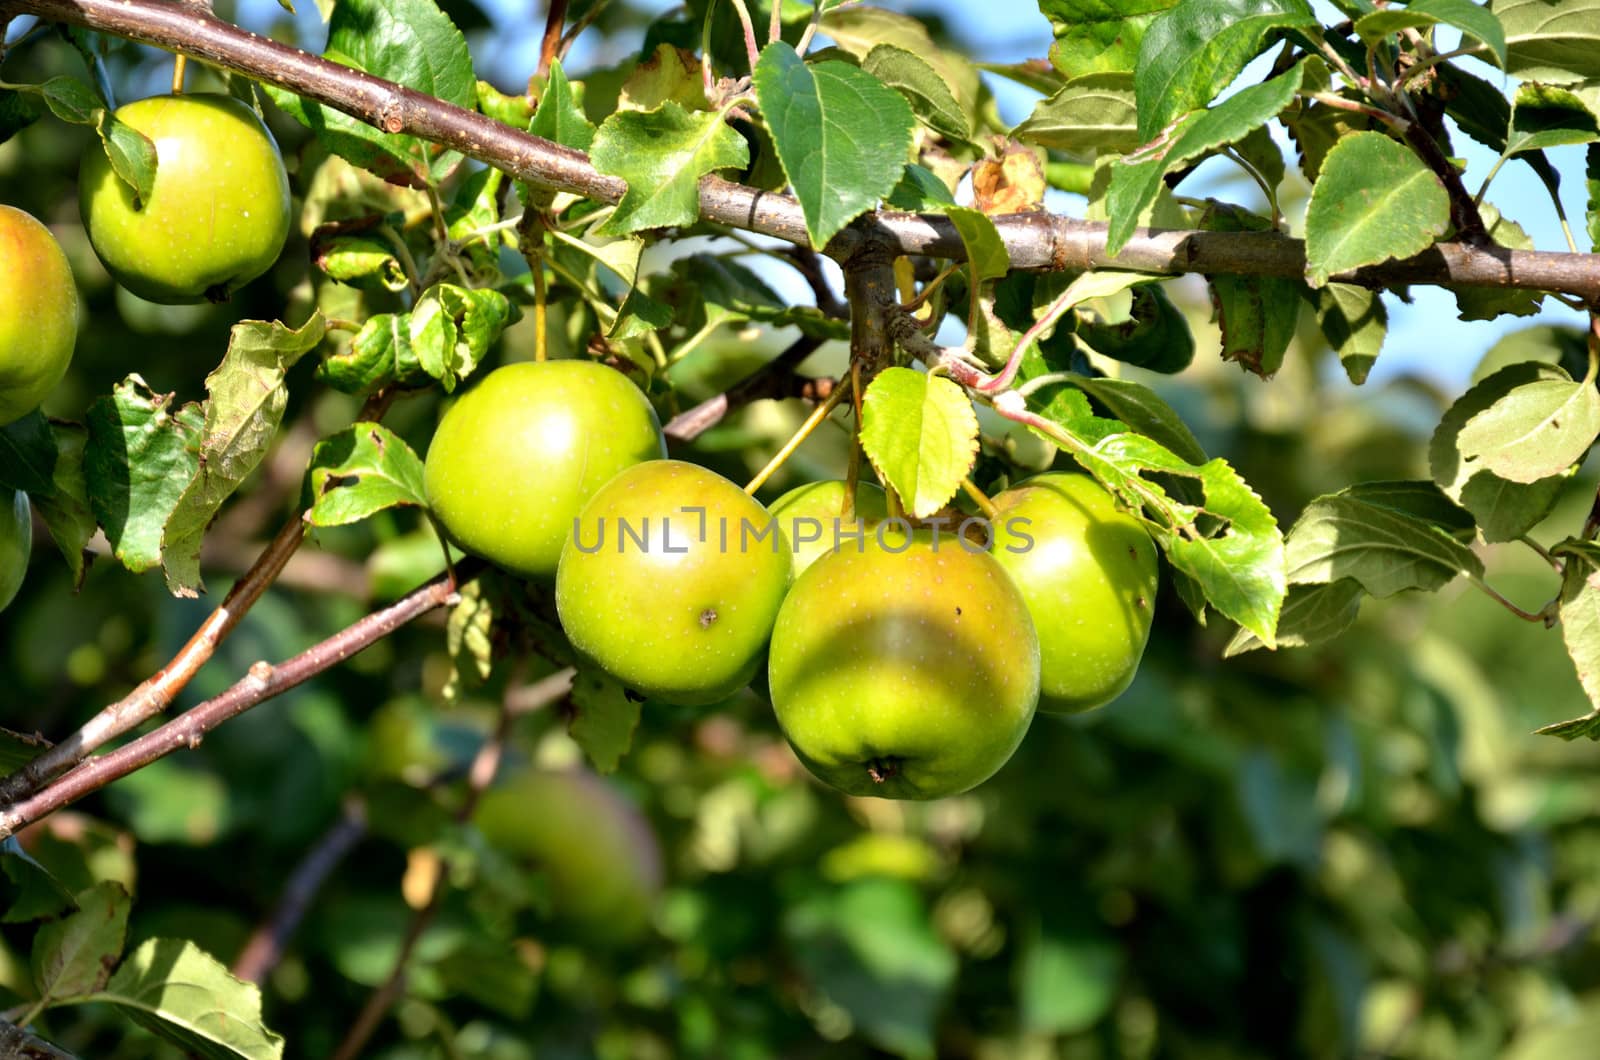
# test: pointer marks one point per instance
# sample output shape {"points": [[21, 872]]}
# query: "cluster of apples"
{"points": [[901, 661], [216, 218]]}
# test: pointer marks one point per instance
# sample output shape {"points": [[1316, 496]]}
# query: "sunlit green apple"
{"points": [[597, 851], [219, 212], [16, 542], [671, 582], [1088, 571], [811, 520], [516, 459], [907, 674], [38, 313]]}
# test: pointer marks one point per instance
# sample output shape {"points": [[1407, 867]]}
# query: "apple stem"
{"points": [[179, 67], [818, 414], [981, 499]]}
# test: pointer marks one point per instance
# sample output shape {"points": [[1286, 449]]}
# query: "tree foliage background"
{"points": [[1359, 848]]}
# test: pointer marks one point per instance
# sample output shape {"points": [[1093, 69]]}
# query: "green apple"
{"points": [[1089, 573], [811, 520], [671, 581], [16, 542], [516, 459], [909, 674], [219, 212], [597, 851], [38, 314]]}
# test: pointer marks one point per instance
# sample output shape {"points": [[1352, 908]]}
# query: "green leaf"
{"points": [[18, 110], [1471, 19], [181, 993], [859, 28], [444, 337], [840, 133], [1155, 336], [28, 455], [1240, 567], [919, 191], [921, 434], [1196, 49], [1354, 321], [1136, 181], [131, 153], [1591, 182], [872, 949], [559, 117], [730, 292], [986, 251], [75, 955], [1580, 629], [1503, 509], [1557, 42], [1066, 405], [361, 261], [1067, 977], [34, 892], [1144, 412], [930, 95], [1548, 116], [1096, 36], [1422, 499], [1374, 201], [1312, 615], [662, 154], [361, 471], [452, 328], [1536, 430], [1387, 550], [469, 632], [1094, 112], [408, 41], [669, 73], [1257, 315], [65, 509], [142, 454], [245, 403], [603, 718]]}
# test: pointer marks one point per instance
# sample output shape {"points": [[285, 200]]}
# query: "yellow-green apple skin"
{"points": [[218, 214], [1089, 574], [907, 675], [516, 459], [597, 851], [16, 542], [38, 313], [811, 520], [671, 582]]}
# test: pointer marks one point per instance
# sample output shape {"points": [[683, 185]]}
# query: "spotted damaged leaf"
{"points": [[359, 472]]}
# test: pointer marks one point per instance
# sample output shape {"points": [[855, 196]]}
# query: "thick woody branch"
{"points": [[1033, 241], [262, 683]]}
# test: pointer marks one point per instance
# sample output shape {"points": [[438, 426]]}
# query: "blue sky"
{"points": [[1425, 337]]}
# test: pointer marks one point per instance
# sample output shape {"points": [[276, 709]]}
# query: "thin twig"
{"points": [[776, 378], [550, 45], [751, 48], [157, 692], [265, 947], [818, 414], [479, 776], [262, 683]]}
